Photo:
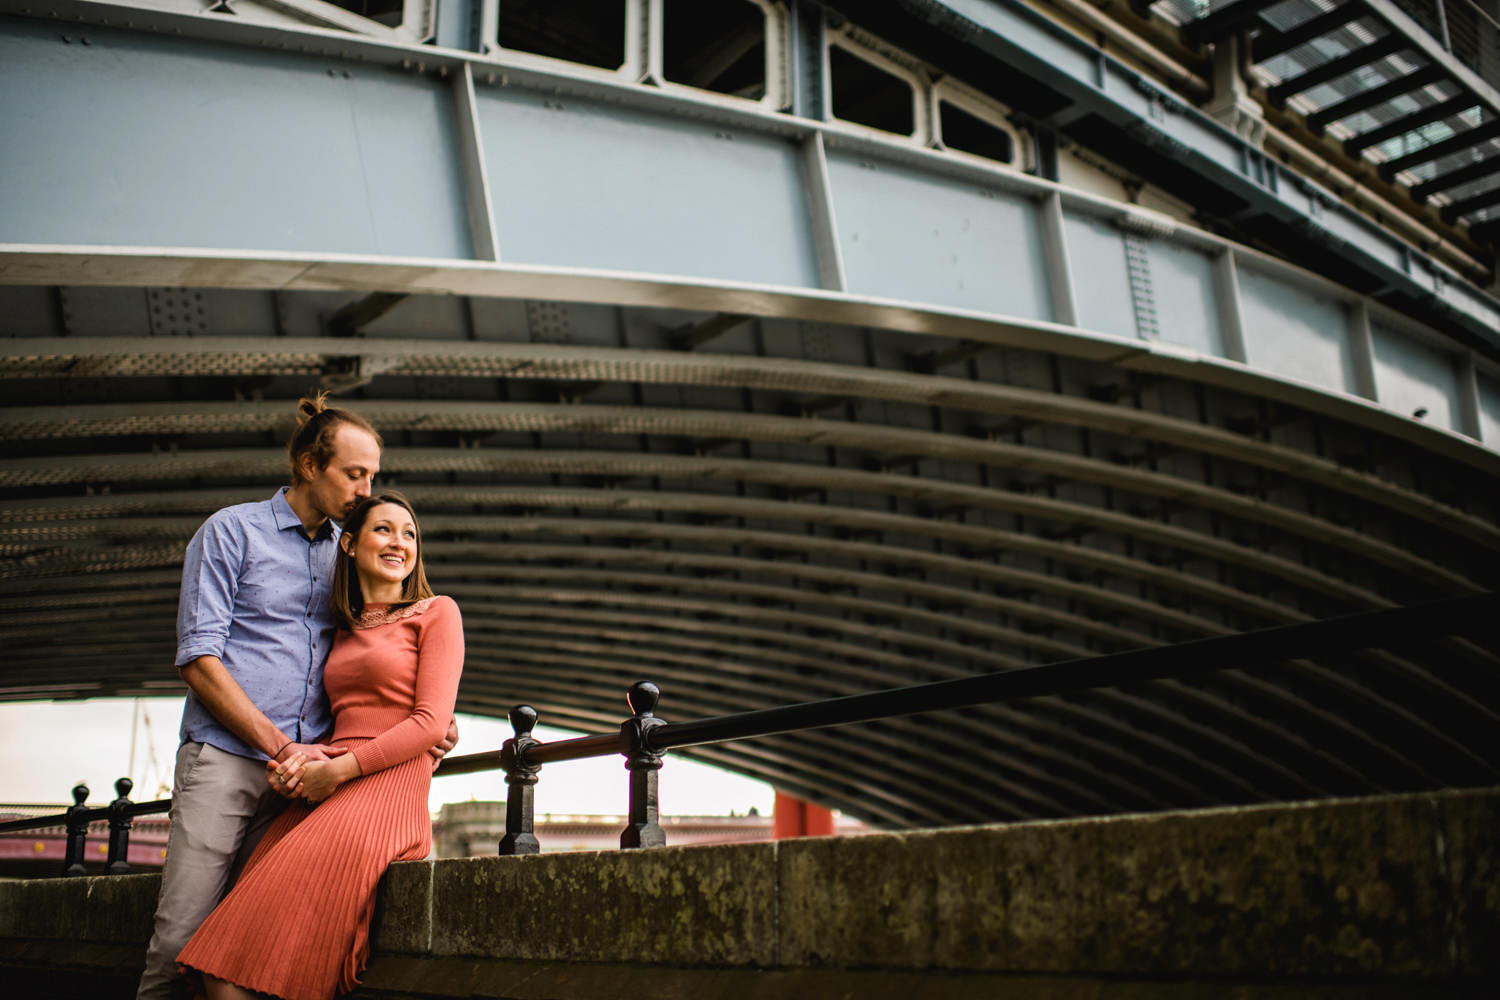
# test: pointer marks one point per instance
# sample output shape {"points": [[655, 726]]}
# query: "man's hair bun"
{"points": [[317, 425], [311, 405]]}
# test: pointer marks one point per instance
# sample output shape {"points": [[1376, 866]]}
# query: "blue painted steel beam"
{"points": [[1095, 84], [598, 183]]}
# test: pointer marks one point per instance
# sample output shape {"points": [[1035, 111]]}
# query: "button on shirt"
{"points": [[256, 594]]}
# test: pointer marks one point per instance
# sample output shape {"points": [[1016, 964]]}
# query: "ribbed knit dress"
{"points": [[297, 924]]}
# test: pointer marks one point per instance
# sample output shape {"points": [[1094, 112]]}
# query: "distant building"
{"points": [[40, 853], [460, 830], [472, 829]]}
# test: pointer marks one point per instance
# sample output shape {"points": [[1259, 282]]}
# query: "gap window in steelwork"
{"points": [[718, 46], [969, 133], [386, 12], [591, 32], [865, 94]]}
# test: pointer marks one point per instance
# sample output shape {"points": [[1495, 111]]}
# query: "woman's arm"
{"points": [[440, 660]]}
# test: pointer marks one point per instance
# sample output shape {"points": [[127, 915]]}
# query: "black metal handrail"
{"points": [[643, 738], [77, 818], [1113, 670]]}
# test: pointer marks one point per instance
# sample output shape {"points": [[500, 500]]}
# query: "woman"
{"points": [[298, 921]]}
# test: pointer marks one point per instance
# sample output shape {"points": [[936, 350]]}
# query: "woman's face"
{"points": [[385, 551]]}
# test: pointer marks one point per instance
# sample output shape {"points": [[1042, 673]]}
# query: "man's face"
{"points": [[346, 480]]}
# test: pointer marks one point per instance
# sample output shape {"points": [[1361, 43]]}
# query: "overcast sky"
{"points": [[51, 746]]}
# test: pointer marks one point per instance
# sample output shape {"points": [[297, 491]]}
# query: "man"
{"points": [[254, 627]]}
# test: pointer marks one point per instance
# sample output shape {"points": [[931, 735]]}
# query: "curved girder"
{"points": [[173, 558], [880, 745], [1060, 750], [1215, 788], [537, 674], [825, 579], [887, 679], [510, 619], [47, 520], [776, 760], [1163, 721], [102, 357], [900, 784], [21, 473], [477, 625], [884, 553], [170, 418], [482, 626], [811, 680]]}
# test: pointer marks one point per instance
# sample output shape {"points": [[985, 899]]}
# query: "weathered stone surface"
{"points": [[696, 906], [94, 908], [403, 910], [122, 908], [46, 909], [1470, 842], [70, 970], [866, 901], [1015, 898], [1393, 896], [409, 978], [1343, 888], [981, 898]]}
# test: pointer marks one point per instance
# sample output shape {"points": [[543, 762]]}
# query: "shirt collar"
{"points": [[287, 518]]}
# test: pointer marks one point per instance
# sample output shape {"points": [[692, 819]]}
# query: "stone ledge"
{"points": [[1396, 885], [1397, 889], [395, 976]]}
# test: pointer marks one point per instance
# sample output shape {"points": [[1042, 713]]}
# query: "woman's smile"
{"points": [[384, 552]]}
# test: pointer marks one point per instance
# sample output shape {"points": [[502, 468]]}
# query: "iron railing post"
{"points": [[118, 862], [520, 779], [643, 829], [78, 831]]}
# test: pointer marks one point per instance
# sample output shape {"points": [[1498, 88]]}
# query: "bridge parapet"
{"points": [[1369, 897]]}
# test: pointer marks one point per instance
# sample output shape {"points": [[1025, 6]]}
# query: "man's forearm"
{"points": [[222, 695]]}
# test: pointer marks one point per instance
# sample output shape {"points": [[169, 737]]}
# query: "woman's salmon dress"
{"points": [[297, 924]]}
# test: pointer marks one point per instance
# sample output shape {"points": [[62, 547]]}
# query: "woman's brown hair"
{"points": [[317, 423], [348, 598]]}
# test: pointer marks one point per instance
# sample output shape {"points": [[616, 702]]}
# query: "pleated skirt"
{"points": [[297, 924]]}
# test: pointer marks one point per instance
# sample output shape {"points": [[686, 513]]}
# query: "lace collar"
{"points": [[375, 615]]}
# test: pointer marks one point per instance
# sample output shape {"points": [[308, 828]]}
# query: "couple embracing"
{"points": [[322, 674]]}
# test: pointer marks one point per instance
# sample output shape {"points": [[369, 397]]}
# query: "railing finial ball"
{"points": [[523, 720], [642, 698], [80, 793], [123, 787]]}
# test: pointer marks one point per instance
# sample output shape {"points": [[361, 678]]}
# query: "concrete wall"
{"points": [[1370, 897]]}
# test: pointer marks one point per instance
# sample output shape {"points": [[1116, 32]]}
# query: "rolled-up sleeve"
{"points": [[210, 579]]}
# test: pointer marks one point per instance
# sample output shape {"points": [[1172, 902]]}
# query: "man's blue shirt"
{"points": [[255, 593]]}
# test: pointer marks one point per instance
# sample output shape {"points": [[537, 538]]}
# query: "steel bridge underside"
{"points": [[757, 406]]}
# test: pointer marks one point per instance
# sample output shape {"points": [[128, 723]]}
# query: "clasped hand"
{"points": [[303, 771], [312, 771]]}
